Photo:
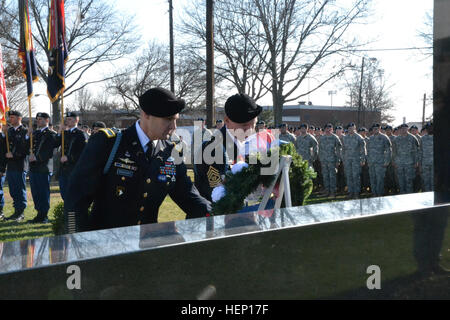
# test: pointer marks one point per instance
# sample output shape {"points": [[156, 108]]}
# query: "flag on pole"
{"points": [[58, 50], [3, 101], [26, 49]]}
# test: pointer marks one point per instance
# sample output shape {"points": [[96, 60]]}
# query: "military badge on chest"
{"points": [[168, 172]]}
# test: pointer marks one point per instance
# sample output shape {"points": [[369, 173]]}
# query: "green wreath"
{"points": [[238, 186]]}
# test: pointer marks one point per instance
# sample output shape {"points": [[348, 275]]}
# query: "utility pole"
{"points": [[360, 93], [210, 107], [172, 58], [424, 105]]}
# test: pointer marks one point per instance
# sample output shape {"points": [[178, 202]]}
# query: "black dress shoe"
{"points": [[20, 218], [2, 217], [39, 220], [15, 216]]}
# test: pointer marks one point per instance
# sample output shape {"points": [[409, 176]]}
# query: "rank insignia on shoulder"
{"points": [[108, 132], [214, 178]]}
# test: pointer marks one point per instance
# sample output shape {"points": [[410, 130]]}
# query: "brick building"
{"points": [[320, 115]]}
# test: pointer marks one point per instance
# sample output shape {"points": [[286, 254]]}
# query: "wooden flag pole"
{"points": [[30, 122], [62, 123], [7, 136]]}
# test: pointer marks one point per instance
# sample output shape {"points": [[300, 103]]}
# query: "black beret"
{"points": [[362, 130], [351, 124], [161, 103], [283, 125], [15, 113], [404, 126], [328, 125], [304, 125], [376, 125], [240, 108], [339, 128], [43, 115], [388, 128], [200, 119], [219, 121], [71, 115], [99, 124], [312, 128], [318, 129], [414, 127]]}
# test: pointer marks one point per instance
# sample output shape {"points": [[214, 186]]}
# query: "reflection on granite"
{"points": [[16, 256]]}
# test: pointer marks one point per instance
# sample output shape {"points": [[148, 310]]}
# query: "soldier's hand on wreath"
{"points": [[64, 159], [9, 155]]}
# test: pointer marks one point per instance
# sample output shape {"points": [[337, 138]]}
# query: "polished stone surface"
{"points": [[17, 256], [317, 251]]}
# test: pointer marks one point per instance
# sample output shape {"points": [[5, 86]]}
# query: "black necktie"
{"points": [[149, 152]]}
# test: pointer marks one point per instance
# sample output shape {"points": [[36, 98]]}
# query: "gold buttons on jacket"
{"points": [[142, 209], [149, 181], [123, 178], [145, 195]]}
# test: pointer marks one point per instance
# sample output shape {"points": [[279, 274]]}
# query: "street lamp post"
{"points": [[332, 93]]}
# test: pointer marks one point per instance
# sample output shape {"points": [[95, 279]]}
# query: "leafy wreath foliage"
{"points": [[238, 186]]}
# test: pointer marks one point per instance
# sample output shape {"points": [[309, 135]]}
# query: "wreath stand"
{"points": [[284, 188]]}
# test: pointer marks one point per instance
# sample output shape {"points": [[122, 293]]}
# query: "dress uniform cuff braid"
{"points": [[71, 222]]}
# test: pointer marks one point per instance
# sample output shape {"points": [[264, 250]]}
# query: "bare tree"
{"points": [[150, 69], [426, 33], [306, 39], [374, 91], [236, 59], [96, 33], [282, 41]]}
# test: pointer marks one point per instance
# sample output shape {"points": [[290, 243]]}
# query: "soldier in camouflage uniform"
{"points": [[285, 135], [306, 145], [390, 181], [426, 159], [417, 183], [378, 156], [340, 177], [365, 179], [354, 156], [405, 159], [318, 181], [330, 155]]}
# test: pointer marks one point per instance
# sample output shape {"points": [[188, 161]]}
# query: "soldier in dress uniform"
{"points": [[379, 152], [405, 159], [74, 142], [128, 174], [2, 169], [354, 155], [19, 148], [306, 145], [330, 148], [97, 126], [241, 114], [44, 141]]}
